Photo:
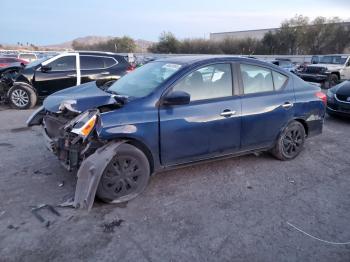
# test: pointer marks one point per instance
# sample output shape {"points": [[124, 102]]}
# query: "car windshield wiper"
{"points": [[111, 92]]}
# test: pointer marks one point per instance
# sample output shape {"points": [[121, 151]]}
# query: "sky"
{"points": [[44, 22]]}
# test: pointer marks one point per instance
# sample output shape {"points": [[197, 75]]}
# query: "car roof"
{"points": [[95, 53], [193, 59]]}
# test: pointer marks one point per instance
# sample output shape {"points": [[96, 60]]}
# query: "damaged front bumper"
{"points": [[86, 154]]}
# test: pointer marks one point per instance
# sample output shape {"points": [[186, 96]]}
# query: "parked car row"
{"points": [[170, 112], [48, 75], [8, 61], [286, 64]]}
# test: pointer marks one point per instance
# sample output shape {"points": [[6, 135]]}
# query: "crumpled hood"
{"points": [[328, 66], [81, 98]]}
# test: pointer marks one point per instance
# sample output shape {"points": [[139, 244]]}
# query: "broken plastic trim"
{"points": [[90, 172], [69, 105]]}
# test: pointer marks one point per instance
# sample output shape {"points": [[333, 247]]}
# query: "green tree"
{"points": [[123, 44], [167, 44]]}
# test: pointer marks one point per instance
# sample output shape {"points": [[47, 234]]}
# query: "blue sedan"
{"points": [[173, 112]]}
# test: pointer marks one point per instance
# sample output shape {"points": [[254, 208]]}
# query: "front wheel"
{"points": [[22, 97], [290, 142], [125, 177]]}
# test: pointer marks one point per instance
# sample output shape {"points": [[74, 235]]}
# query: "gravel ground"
{"points": [[229, 210]]}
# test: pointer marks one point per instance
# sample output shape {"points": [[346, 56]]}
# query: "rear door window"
{"points": [[109, 61], [279, 80], [257, 79], [95, 62]]}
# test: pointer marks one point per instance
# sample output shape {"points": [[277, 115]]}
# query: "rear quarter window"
{"points": [[279, 80]]}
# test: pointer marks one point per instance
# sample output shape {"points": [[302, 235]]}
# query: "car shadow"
{"points": [[338, 119]]}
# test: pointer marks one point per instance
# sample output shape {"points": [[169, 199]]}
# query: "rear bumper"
{"points": [[315, 127]]}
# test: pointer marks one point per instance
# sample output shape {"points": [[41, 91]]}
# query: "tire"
{"points": [[22, 97], [290, 142], [125, 177], [334, 80]]}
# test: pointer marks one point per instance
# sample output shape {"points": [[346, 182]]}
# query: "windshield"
{"points": [[334, 59], [145, 79]]}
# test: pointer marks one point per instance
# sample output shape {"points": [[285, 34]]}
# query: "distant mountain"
{"points": [[142, 45]]}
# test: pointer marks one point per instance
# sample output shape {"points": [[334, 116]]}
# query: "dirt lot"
{"points": [[229, 210]]}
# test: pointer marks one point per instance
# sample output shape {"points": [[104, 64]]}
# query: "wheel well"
{"points": [[143, 148], [336, 73], [303, 122], [22, 84]]}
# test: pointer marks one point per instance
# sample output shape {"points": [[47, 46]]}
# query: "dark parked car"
{"points": [[44, 77], [338, 100], [172, 112], [7, 76]]}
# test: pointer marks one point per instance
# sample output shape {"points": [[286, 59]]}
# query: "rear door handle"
{"points": [[105, 73], [227, 113], [72, 75], [287, 105]]}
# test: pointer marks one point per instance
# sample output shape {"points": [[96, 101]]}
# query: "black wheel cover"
{"points": [[125, 177], [293, 141]]}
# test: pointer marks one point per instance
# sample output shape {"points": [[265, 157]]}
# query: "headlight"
{"points": [[83, 124], [330, 93], [330, 96]]}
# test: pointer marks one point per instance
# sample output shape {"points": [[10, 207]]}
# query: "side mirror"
{"points": [[176, 98], [45, 68]]}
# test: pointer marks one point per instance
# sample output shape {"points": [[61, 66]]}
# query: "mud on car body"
{"points": [[174, 112]]}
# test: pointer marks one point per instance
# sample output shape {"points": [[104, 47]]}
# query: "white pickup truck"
{"points": [[329, 70]]}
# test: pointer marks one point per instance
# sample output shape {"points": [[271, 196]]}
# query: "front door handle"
{"points": [[287, 105], [105, 73], [227, 113], [72, 75]]}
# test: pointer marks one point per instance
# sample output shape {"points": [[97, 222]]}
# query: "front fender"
{"points": [[21, 84], [90, 172], [37, 117]]}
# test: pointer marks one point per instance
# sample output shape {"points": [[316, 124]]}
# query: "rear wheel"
{"points": [[125, 177], [22, 97], [290, 142]]}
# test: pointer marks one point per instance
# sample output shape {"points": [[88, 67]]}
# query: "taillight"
{"points": [[130, 68], [321, 96], [3, 64]]}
